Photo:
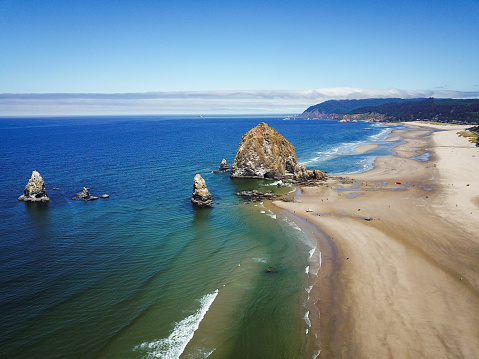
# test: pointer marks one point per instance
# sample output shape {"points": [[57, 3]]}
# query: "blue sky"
{"points": [[348, 48]]}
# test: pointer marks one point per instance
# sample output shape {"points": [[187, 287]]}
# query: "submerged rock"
{"points": [[201, 195], [264, 153], [35, 190]]}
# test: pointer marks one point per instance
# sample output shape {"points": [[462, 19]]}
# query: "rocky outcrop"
{"points": [[35, 190], [264, 153], [306, 176], [86, 196], [224, 166], [201, 195], [255, 195]]}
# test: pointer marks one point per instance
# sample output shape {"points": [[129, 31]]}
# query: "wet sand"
{"points": [[393, 138], [407, 284]]}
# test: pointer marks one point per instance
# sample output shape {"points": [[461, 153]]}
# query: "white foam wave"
{"points": [[209, 353], [292, 224], [307, 320], [311, 252], [381, 136], [271, 215], [346, 148], [275, 183], [260, 260], [173, 346], [306, 270], [308, 289], [262, 212], [320, 259]]}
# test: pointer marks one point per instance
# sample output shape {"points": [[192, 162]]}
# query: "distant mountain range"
{"points": [[397, 109]]}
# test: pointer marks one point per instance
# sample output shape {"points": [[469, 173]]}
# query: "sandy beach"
{"points": [[405, 282]]}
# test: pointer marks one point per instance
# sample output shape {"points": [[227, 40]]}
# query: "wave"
{"points": [[173, 346], [381, 136], [276, 183], [307, 320], [347, 148], [292, 224]]}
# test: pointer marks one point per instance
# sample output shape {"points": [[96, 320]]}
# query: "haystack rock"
{"points": [[264, 153], [35, 190], [224, 165], [201, 195]]}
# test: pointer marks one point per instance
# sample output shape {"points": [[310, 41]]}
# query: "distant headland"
{"points": [[457, 111]]}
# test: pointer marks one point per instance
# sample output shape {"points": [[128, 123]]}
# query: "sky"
{"points": [[108, 57]]}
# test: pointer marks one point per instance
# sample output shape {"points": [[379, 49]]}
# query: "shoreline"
{"points": [[321, 295], [406, 289]]}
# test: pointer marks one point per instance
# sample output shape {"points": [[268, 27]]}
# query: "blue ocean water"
{"points": [[143, 274]]}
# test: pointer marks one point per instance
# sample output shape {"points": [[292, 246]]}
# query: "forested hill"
{"points": [[346, 106], [442, 110]]}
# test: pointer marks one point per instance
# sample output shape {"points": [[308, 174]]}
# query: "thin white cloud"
{"points": [[198, 102]]}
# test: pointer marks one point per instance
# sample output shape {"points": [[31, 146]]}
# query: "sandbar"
{"points": [[393, 138], [365, 148], [407, 284]]}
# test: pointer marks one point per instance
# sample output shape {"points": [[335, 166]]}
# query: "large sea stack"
{"points": [[35, 189], [264, 153], [201, 195]]}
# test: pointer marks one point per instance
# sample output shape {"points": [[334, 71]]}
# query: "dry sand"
{"points": [[407, 284]]}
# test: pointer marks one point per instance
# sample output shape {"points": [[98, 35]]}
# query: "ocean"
{"points": [[143, 274]]}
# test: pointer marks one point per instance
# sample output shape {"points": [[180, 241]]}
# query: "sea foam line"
{"points": [[173, 346], [306, 319]]}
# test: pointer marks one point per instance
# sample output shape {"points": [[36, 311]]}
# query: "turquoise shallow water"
{"points": [[143, 274]]}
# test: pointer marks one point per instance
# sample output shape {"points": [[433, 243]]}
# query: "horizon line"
{"points": [[213, 102]]}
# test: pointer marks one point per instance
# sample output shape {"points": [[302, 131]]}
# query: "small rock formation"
{"points": [[35, 189], [201, 195], [255, 195], [306, 176], [264, 153], [85, 194], [224, 165]]}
